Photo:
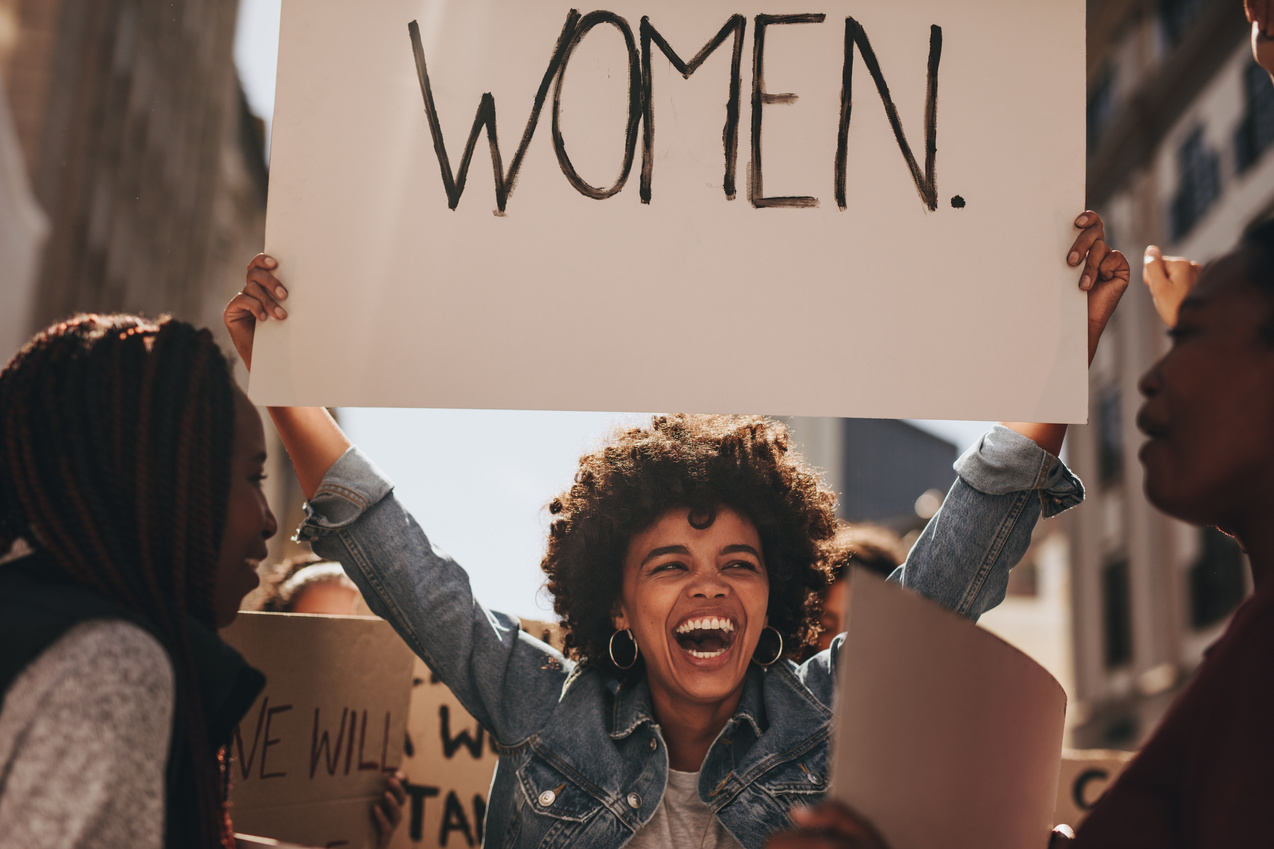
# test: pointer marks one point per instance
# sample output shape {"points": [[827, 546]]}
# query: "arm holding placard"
{"points": [[1013, 475], [353, 517]]}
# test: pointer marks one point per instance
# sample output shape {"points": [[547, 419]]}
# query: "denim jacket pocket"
{"points": [[550, 793], [803, 780]]}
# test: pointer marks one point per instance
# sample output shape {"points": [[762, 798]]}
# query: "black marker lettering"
{"points": [[926, 184], [472, 742], [760, 97], [317, 745], [454, 819], [730, 136], [485, 116], [270, 741], [589, 21], [417, 794], [245, 761], [1081, 785]]}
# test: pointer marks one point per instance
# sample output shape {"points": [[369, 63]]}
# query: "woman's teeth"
{"points": [[709, 623], [705, 637]]}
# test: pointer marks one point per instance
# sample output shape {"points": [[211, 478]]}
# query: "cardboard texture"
{"points": [[1084, 776], [947, 736], [791, 229], [313, 753], [449, 763]]}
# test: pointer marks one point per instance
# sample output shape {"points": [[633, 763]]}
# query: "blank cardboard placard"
{"points": [[947, 736], [757, 235], [314, 751]]}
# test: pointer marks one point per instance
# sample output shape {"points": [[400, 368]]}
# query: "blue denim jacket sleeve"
{"points": [[482, 656], [963, 556]]}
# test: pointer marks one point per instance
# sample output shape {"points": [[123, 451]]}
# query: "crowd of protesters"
{"points": [[690, 563]]}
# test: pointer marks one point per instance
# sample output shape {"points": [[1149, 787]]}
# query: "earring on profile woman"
{"points": [[777, 654], [611, 648]]}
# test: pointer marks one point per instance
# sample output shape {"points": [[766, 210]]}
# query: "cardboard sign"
{"points": [[1084, 777], [449, 762], [660, 205], [947, 736], [314, 752]]}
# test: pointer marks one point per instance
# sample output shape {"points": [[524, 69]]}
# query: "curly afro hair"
{"points": [[698, 463]]}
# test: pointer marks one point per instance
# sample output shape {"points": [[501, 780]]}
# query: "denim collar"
{"points": [[634, 708]]}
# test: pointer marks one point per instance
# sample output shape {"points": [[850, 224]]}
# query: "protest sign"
{"points": [[903, 236], [947, 737], [449, 762], [1084, 777], [314, 752]]}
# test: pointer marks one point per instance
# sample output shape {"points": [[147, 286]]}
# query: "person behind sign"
{"points": [[682, 563], [873, 547], [1204, 776], [131, 518]]}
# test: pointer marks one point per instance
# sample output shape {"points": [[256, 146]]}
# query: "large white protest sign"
{"points": [[841, 207], [947, 736], [313, 754]]}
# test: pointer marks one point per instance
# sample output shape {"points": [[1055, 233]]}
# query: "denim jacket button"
{"points": [[547, 798], [634, 801], [653, 744]]}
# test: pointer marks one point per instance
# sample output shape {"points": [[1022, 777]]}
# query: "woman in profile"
{"points": [[131, 520]]}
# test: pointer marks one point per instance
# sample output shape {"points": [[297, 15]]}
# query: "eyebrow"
{"points": [[737, 548], [662, 550]]}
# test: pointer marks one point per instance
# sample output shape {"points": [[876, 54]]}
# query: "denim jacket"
{"points": [[583, 760]]}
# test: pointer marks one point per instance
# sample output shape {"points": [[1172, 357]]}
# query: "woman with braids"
{"points": [[132, 516], [683, 563]]}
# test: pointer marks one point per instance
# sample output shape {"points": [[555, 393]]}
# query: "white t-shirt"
{"points": [[683, 821]]}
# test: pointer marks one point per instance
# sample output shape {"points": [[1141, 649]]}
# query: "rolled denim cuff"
{"points": [[353, 484], [1005, 461]]}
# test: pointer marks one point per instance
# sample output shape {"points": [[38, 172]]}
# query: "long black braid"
{"points": [[116, 435]]}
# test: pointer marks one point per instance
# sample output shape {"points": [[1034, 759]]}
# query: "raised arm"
{"points": [[1005, 482], [313, 439]]}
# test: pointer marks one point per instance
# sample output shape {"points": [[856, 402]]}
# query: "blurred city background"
{"points": [[133, 176]]}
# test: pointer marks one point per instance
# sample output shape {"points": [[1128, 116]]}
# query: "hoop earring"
{"points": [[777, 654], [610, 647]]}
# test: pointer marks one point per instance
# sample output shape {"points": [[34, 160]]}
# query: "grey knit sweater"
{"points": [[84, 736]]}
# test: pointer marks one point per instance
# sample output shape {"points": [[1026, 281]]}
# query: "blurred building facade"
{"points": [[142, 157], [893, 473], [1180, 121]]}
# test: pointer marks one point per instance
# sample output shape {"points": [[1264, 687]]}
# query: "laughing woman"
{"points": [[682, 563]]}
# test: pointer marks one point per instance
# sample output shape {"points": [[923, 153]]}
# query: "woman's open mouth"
{"points": [[705, 637]]}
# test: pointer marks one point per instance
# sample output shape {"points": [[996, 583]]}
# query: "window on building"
{"points": [[1200, 184], [1101, 108], [1110, 446], [1216, 579], [1175, 16], [1256, 130], [1117, 612]]}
